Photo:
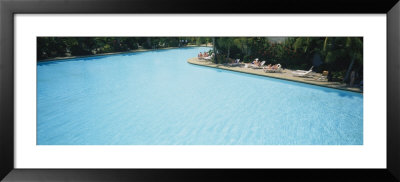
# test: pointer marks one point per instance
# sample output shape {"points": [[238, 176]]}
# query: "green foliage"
{"points": [[49, 47]]}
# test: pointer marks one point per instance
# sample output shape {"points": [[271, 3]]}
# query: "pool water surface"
{"points": [[157, 98]]}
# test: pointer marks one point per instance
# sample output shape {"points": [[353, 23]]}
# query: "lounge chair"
{"points": [[236, 63], [209, 57], [257, 67], [262, 64], [303, 71], [302, 74], [273, 70]]}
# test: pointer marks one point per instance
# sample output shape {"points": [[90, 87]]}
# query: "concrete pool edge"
{"points": [[195, 61]]}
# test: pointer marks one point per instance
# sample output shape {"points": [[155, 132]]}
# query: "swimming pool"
{"points": [[157, 98]]}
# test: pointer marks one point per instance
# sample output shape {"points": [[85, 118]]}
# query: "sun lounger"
{"points": [[209, 57], [273, 70], [236, 63], [303, 71], [262, 64], [302, 74], [257, 67]]}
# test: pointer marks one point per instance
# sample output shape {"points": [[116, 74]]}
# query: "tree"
{"points": [[242, 44], [354, 46], [224, 44], [214, 50]]}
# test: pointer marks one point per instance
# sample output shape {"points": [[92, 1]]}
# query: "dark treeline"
{"points": [[50, 47], [338, 55]]}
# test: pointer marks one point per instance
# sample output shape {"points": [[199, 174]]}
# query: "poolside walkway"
{"points": [[286, 74]]}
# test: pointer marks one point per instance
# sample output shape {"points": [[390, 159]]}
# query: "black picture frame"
{"points": [[8, 8]]}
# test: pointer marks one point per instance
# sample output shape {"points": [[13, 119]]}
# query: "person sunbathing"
{"points": [[200, 55], [205, 54], [269, 66], [255, 61]]}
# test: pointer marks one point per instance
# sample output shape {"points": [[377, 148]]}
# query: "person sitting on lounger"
{"points": [[255, 61], [200, 55], [205, 54], [275, 68], [269, 66], [208, 57]]}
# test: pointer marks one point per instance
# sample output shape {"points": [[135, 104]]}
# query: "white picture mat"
{"points": [[370, 155]]}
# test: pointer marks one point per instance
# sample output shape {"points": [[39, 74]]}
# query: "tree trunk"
{"points": [[214, 50], [149, 42], [349, 69], [229, 51], [244, 51]]}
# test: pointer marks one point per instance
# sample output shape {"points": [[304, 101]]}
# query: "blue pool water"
{"points": [[157, 98]]}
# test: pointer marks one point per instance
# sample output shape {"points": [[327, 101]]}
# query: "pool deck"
{"points": [[286, 74]]}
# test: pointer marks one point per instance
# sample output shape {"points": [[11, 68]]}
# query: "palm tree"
{"points": [[342, 51], [354, 46]]}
